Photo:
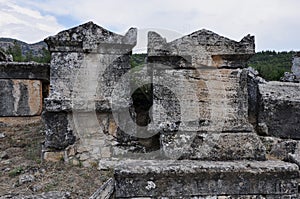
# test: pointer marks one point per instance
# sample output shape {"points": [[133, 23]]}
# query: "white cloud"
{"points": [[24, 23], [275, 23]]}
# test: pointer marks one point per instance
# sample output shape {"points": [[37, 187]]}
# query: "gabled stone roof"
{"points": [[87, 36], [202, 48], [205, 38]]}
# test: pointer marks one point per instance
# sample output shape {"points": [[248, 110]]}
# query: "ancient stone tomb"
{"points": [[196, 134], [87, 62], [197, 85]]}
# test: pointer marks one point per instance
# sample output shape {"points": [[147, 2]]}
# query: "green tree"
{"points": [[29, 56], [46, 56], [16, 52], [271, 65]]}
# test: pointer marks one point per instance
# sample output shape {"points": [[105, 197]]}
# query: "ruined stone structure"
{"points": [[296, 66], [205, 98], [22, 88], [87, 62], [294, 76], [279, 113], [202, 139]]}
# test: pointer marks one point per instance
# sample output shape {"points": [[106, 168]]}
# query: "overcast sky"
{"points": [[275, 23]]}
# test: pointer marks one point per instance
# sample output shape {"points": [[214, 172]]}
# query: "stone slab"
{"points": [[227, 197], [25, 70], [88, 36], [279, 109], [212, 146], [20, 97], [188, 179], [105, 191]]}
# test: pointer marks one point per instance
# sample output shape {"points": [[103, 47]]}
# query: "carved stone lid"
{"points": [[202, 48], [87, 37]]}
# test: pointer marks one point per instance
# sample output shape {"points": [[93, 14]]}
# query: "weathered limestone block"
{"points": [[212, 146], [201, 49], [188, 179], [84, 54], [58, 122], [20, 97], [105, 191], [284, 148], [279, 109], [25, 70], [205, 100], [87, 62], [294, 75], [296, 66], [289, 77], [252, 86], [199, 92]]}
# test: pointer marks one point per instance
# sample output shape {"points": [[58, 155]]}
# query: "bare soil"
{"points": [[23, 172]]}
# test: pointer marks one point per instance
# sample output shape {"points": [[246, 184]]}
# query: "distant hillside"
{"points": [[36, 48]]}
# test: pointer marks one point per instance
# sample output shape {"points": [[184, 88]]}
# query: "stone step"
{"points": [[197, 179]]}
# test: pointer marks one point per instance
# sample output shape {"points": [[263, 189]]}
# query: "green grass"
{"points": [[16, 171]]}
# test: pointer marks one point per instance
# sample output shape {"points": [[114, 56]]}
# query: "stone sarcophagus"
{"points": [[22, 88], [87, 61], [200, 112], [200, 97]]}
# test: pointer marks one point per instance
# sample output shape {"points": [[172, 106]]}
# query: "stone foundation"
{"points": [[200, 179]]}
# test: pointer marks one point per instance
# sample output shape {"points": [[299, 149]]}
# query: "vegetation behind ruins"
{"points": [[271, 65]]}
